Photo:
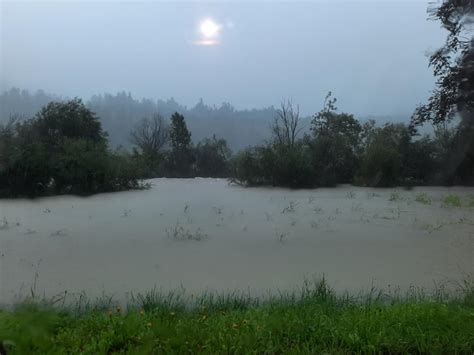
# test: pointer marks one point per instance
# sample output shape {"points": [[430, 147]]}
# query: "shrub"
{"points": [[380, 167], [452, 201], [63, 150]]}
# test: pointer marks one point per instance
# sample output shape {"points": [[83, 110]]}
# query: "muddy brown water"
{"points": [[207, 235]]}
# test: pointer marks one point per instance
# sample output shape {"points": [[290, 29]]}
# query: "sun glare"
{"points": [[209, 29]]}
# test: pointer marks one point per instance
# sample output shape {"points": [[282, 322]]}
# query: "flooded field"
{"points": [[204, 234]]}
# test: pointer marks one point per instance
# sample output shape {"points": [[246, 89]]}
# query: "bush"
{"points": [[62, 150], [212, 158], [381, 167]]}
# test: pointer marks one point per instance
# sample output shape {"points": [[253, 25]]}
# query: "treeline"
{"points": [[340, 149], [120, 112], [64, 149], [164, 149]]}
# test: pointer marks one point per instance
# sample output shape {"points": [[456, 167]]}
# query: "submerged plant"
{"points": [[290, 208], [178, 232], [423, 198], [4, 225], [394, 196], [351, 194], [471, 202], [452, 201]]}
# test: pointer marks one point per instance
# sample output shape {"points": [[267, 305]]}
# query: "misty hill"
{"points": [[120, 112]]}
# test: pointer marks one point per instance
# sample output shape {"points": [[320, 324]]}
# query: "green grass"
{"points": [[452, 201], [315, 321]]}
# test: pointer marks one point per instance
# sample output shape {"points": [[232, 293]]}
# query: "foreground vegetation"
{"points": [[316, 321]]}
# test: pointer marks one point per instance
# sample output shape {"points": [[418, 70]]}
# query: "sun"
{"points": [[209, 29]]}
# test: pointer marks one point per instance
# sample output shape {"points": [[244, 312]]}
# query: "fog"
{"points": [[371, 54]]}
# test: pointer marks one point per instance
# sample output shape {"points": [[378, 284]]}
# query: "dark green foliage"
{"points": [[453, 96], [336, 139], [63, 149], [212, 158], [156, 158], [381, 166], [248, 168], [71, 120], [275, 165], [180, 159], [453, 65]]}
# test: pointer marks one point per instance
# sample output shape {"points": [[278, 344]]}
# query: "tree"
{"points": [[150, 135], [212, 158], [285, 126], [72, 119], [453, 65], [179, 134], [453, 96], [181, 159], [335, 142], [62, 149]]}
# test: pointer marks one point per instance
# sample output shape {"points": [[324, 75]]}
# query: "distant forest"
{"points": [[119, 113]]}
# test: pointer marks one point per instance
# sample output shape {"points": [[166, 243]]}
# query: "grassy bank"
{"points": [[315, 321]]}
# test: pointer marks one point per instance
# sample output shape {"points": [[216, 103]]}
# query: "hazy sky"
{"points": [[371, 54]]}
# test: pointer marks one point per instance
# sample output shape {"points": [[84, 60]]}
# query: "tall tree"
{"points": [[453, 65], [181, 157], [286, 125], [453, 96], [179, 134], [150, 135]]}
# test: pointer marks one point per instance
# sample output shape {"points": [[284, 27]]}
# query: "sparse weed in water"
{"points": [[178, 232], [281, 237], [290, 208], [395, 196], [371, 195], [351, 195], [4, 225], [471, 202], [423, 198], [452, 201]]}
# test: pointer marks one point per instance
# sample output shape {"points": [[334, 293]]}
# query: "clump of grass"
{"points": [[178, 232], [351, 194], [217, 210], [356, 207], [4, 225], [318, 210], [290, 208], [312, 320], [372, 195], [423, 198], [59, 233], [452, 201], [281, 237], [471, 202], [395, 196]]}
